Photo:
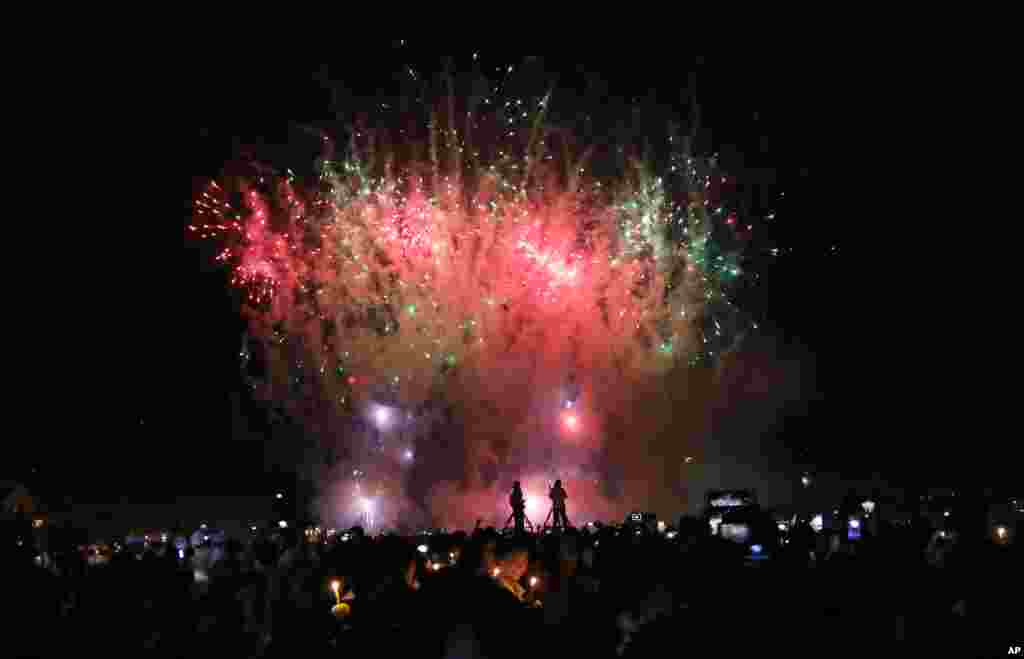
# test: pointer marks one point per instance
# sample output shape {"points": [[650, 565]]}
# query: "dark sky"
{"points": [[782, 125]]}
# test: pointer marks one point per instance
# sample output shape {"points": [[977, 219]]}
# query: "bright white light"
{"points": [[253, 528], [1001, 532], [756, 548], [280, 495], [181, 553], [203, 525], [382, 415], [734, 532], [817, 523], [423, 549], [533, 581], [335, 585], [868, 506], [806, 481], [854, 523], [661, 526], [670, 535], [572, 421], [163, 537], [283, 524], [945, 514], [367, 505], [728, 501], [408, 454], [781, 526], [689, 459]]}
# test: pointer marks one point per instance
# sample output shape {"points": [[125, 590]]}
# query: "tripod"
{"points": [[561, 520], [526, 521]]}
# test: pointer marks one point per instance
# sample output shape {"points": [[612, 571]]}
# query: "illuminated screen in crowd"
{"points": [[734, 532], [733, 499]]}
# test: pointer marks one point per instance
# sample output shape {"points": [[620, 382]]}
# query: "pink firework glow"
{"points": [[448, 298]]}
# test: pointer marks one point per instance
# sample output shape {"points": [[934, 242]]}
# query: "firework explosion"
{"points": [[464, 302]]}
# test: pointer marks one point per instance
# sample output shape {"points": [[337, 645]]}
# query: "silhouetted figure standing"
{"points": [[558, 497], [518, 503]]}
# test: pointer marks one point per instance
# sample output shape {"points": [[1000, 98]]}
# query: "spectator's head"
{"points": [[489, 554], [478, 556], [587, 556], [394, 565], [513, 559], [568, 554]]}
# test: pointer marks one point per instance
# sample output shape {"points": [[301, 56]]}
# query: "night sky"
{"points": [[780, 126]]}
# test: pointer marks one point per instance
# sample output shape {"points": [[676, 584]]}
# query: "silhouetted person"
{"points": [[518, 503], [558, 497]]}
